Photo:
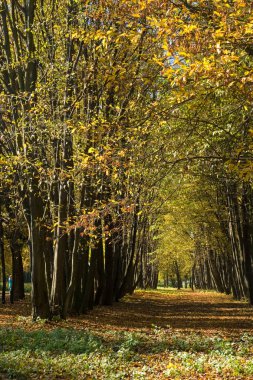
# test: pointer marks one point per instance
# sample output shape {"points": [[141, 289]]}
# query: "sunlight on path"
{"points": [[182, 310]]}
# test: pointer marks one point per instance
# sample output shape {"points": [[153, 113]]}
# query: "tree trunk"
{"points": [[74, 273], [178, 275], [17, 269], [247, 240], [2, 261], [100, 273], [40, 297], [88, 300], [127, 283], [107, 296], [58, 291]]}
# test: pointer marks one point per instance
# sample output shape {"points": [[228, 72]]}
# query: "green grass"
{"points": [[74, 354]]}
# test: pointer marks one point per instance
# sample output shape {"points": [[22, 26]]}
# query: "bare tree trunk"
{"points": [[58, 291], [2, 261], [88, 300], [100, 273], [17, 267], [40, 296], [247, 240]]}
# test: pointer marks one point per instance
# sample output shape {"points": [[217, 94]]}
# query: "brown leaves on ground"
{"points": [[182, 310]]}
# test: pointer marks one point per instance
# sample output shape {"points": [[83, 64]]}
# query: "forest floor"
{"points": [[163, 334]]}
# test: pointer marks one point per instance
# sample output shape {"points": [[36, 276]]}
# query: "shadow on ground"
{"points": [[183, 310]]}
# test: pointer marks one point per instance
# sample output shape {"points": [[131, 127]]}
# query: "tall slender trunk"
{"points": [[178, 275], [74, 272], [2, 256], [84, 279], [58, 291], [40, 296], [236, 238], [129, 275], [214, 271], [247, 240], [100, 273], [107, 295], [88, 300], [17, 269]]}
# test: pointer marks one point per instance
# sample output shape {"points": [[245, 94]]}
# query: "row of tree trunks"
{"points": [[230, 270], [73, 266]]}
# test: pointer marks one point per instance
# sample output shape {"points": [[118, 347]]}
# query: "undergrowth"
{"points": [[162, 353]]}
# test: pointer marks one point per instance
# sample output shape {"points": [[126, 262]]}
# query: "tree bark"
{"points": [[2, 261], [40, 296]]}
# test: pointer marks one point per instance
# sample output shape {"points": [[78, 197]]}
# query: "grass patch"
{"points": [[72, 354]]}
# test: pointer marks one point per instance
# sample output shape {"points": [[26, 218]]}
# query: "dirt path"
{"points": [[183, 310]]}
